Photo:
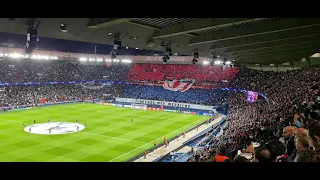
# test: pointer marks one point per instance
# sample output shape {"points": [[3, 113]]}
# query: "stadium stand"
{"points": [[33, 71], [294, 104], [294, 99], [33, 95]]}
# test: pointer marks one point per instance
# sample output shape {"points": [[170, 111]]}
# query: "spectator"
{"points": [[240, 159], [288, 133], [221, 157], [276, 149], [314, 135], [307, 156], [262, 154]]}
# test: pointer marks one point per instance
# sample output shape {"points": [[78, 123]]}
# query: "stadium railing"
{"points": [[187, 155], [161, 144]]}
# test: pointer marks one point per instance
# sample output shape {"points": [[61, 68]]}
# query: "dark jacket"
{"points": [[290, 146], [293, 156]]}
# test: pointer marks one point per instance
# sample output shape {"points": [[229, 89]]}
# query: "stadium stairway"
{"points": [[179, 142]]}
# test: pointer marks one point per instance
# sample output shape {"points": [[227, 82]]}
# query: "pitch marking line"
{"points": [[167, 116], [123, 139], [10, 120], [114, 137], [152, 141]]}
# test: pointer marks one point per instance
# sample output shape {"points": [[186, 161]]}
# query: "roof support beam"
{"points": [[199, 25], [262, 46], [142, 25], [279, 48], [271, 60], [296, 34], [255, 29], [104, 22], [308, 52], [274, 59]]}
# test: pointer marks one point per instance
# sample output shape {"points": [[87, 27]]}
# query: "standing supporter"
{"points": [[288, 133], [314, 135], [221, 157], [307, 156]]}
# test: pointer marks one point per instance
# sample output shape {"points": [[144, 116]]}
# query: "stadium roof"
{"points": [[247, 40]]}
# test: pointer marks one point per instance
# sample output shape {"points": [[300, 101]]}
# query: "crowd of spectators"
{"points": [[14, 96], [15, 70], [286, 128]]}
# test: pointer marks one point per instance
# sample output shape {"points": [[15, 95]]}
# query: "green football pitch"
{"points": [[110, 136]]}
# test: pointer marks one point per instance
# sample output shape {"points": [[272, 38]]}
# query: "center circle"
{"points": [[54, 128]]}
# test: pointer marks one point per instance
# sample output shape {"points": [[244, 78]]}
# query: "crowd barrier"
{"points": [[161, 144], [219, 123]]}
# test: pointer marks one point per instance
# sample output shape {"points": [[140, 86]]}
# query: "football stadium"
{"points": [[159, 90]]}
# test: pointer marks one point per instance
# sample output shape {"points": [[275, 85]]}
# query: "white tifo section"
{"points": [[55, 127]]}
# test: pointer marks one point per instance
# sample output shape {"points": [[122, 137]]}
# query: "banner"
{"points": [[92, 86], [178, 85], [154, 109], [252, 96], [170, 110], [165, 103], [188, 112]]}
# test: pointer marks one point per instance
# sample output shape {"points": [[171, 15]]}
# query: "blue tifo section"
{"points": [[206, 96], [194, 96]]}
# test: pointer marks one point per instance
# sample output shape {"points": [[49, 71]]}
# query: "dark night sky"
{"points": [[70, 46]]}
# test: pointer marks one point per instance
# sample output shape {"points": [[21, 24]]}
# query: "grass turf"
{"points": [[109, 137]]}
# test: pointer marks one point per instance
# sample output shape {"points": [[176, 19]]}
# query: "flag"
{"points": [[178, 85]]}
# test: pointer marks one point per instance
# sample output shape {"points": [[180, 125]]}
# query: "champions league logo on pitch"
{"points": [[54, 128]]}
